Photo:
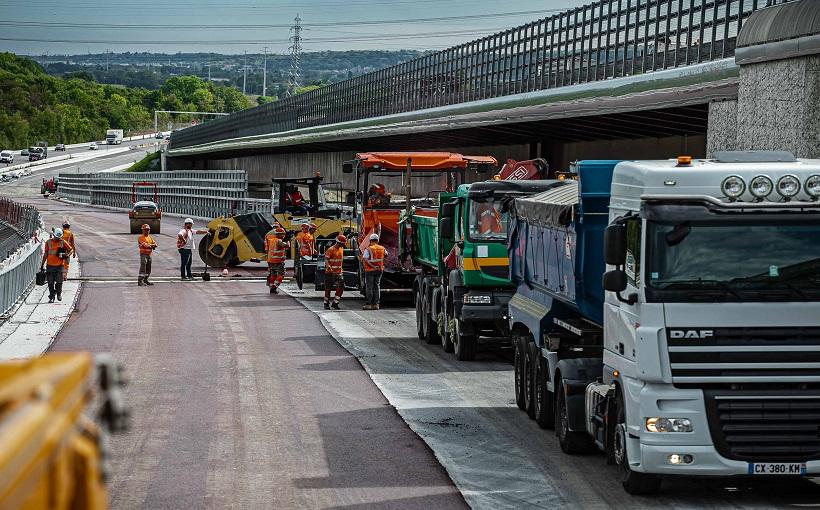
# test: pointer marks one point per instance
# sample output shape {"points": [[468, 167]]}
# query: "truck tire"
{"points": [[544, 401], [300, 276], [529, 377], [446, 340], [419, 313], [464, 344], [633, 482], [518, 365], [430, 327], [571, 442]]}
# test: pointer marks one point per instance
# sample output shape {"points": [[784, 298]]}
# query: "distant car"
{"points": [[7, 157], [159, 136], [36, 153], [93, 146], [145, 211], [59, 147], [24, 153]]}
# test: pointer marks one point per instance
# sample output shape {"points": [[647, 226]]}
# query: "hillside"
{"points": [[37, 106]]}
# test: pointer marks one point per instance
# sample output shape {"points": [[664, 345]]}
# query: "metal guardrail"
{"points": [[203, 193], [17, 270], [599, 41]]}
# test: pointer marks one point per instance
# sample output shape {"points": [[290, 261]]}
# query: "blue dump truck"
{"points": [[667, 313]]}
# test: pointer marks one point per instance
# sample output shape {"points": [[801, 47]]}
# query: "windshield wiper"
{"points": [[720, 283]]}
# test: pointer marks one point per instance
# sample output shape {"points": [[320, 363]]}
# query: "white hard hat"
{"points": [[189, 220], [58, 232], [374, 237]]}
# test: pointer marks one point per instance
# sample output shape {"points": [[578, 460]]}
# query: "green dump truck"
{"points": [[464, 287]]}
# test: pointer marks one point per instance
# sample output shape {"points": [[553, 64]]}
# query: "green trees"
{"points": [[73, 109]]}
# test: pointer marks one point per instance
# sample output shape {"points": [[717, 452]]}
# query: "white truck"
{"points": [[668, 313], [113, 136]]}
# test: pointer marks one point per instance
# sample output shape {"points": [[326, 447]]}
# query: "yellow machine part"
{"points": [[49, 455], [245, 250]]}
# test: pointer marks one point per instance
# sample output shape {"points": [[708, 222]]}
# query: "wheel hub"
{"points": [[620, 444]]}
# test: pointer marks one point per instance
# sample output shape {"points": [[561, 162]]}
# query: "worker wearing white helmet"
{"points": [[373, 265], [185, 245], [56, 250]]}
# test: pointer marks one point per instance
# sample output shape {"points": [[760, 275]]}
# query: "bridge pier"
{"points": [[778, 103]]}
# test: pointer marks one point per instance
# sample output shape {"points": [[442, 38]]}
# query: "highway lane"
{"points": [[239, 399]]}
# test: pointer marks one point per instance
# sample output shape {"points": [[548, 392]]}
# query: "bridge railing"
{"points": [[20, 249], [203, 193], [599, 41]]}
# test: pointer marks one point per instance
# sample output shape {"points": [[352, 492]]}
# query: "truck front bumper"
{"points": [[706, 462], [495, 311]]}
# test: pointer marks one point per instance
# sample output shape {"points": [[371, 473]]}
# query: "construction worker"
{"points": [[146, 245], [488, 218], [185, 246], [55, 252], [334, 277], [377, 195], [295, 201], [68, 236], [373, 264], [304, 240], [276, 247]]}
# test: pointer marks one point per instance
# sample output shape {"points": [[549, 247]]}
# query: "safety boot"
{"points": [[140, 281], [367, 307], [375, 307], [145, 280], [327, 305], [334, 306]]}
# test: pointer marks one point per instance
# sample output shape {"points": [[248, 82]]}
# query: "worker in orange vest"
{"points": [[276, 247], [488, 218], [334, 277], [373, 264], [68, 236], [55, 252], [304, 240], [146, 245]]}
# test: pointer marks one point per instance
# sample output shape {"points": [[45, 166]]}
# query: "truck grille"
{"points": [[744, 357], [770, 428]]}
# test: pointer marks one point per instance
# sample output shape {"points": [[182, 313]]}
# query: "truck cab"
{"points": [[684, 335]]}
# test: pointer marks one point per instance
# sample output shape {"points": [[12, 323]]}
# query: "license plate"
{"points": [[777, 468]]}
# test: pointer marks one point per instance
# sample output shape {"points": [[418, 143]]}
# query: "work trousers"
{"points": [[334, 281], [372, 290], [276, 273], [145, 265], [54, 277], [186, 258]]}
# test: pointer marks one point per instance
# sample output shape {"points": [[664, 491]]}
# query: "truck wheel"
{"points": [[571, 442], [529, 377], [518, 364], [633, 482], [446, 340], [430, 327], [300, 277], [419, 312], [464, 344], [544, 402]]}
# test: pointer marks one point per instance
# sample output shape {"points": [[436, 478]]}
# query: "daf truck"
{"points": [[113, 136], [667, 313]]}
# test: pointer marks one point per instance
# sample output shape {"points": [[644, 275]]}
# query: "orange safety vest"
{"points": [[52, 245], [276, 251], [376, 261], [68, 236], [333, 259], [305, 243], [145, 242], [489, 220]]}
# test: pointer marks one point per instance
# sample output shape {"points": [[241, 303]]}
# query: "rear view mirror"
{"points": [[350, 198], [614, 281], [347, 167], [448, 209], [615, 244], [446, 228]]}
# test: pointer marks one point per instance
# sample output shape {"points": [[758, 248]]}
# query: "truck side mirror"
{"points": [[347, 167], [615, 280], [446, 228], [350, 198], [615, 244], [448, 210]]}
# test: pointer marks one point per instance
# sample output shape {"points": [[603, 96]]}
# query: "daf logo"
{"points": [[691, 333]]}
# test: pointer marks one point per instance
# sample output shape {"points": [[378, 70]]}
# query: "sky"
{"points": [[61, 27]]}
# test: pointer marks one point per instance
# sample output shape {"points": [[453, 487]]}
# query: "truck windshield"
{"points": [[487, 222], [735, 261], [386, 188]]}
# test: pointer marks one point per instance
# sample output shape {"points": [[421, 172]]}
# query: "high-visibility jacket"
{"points": [[294, 198], [145, 242], [333, 259], [52, 246], [305, 244], [376, 260], [277, 249], [68, 236], [489, 220]]}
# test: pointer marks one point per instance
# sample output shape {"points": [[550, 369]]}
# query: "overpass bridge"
{"points": [[614, 78]]}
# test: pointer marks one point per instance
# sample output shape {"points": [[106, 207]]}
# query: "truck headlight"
{"points": [[477, 299], [733, 186], [668, 425], [788, 186], [812, 186], [761, 186]]}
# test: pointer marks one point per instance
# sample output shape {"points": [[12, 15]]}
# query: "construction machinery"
{"points": [[51, 452], [294, 201], [48, 186], [144, 211]]}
